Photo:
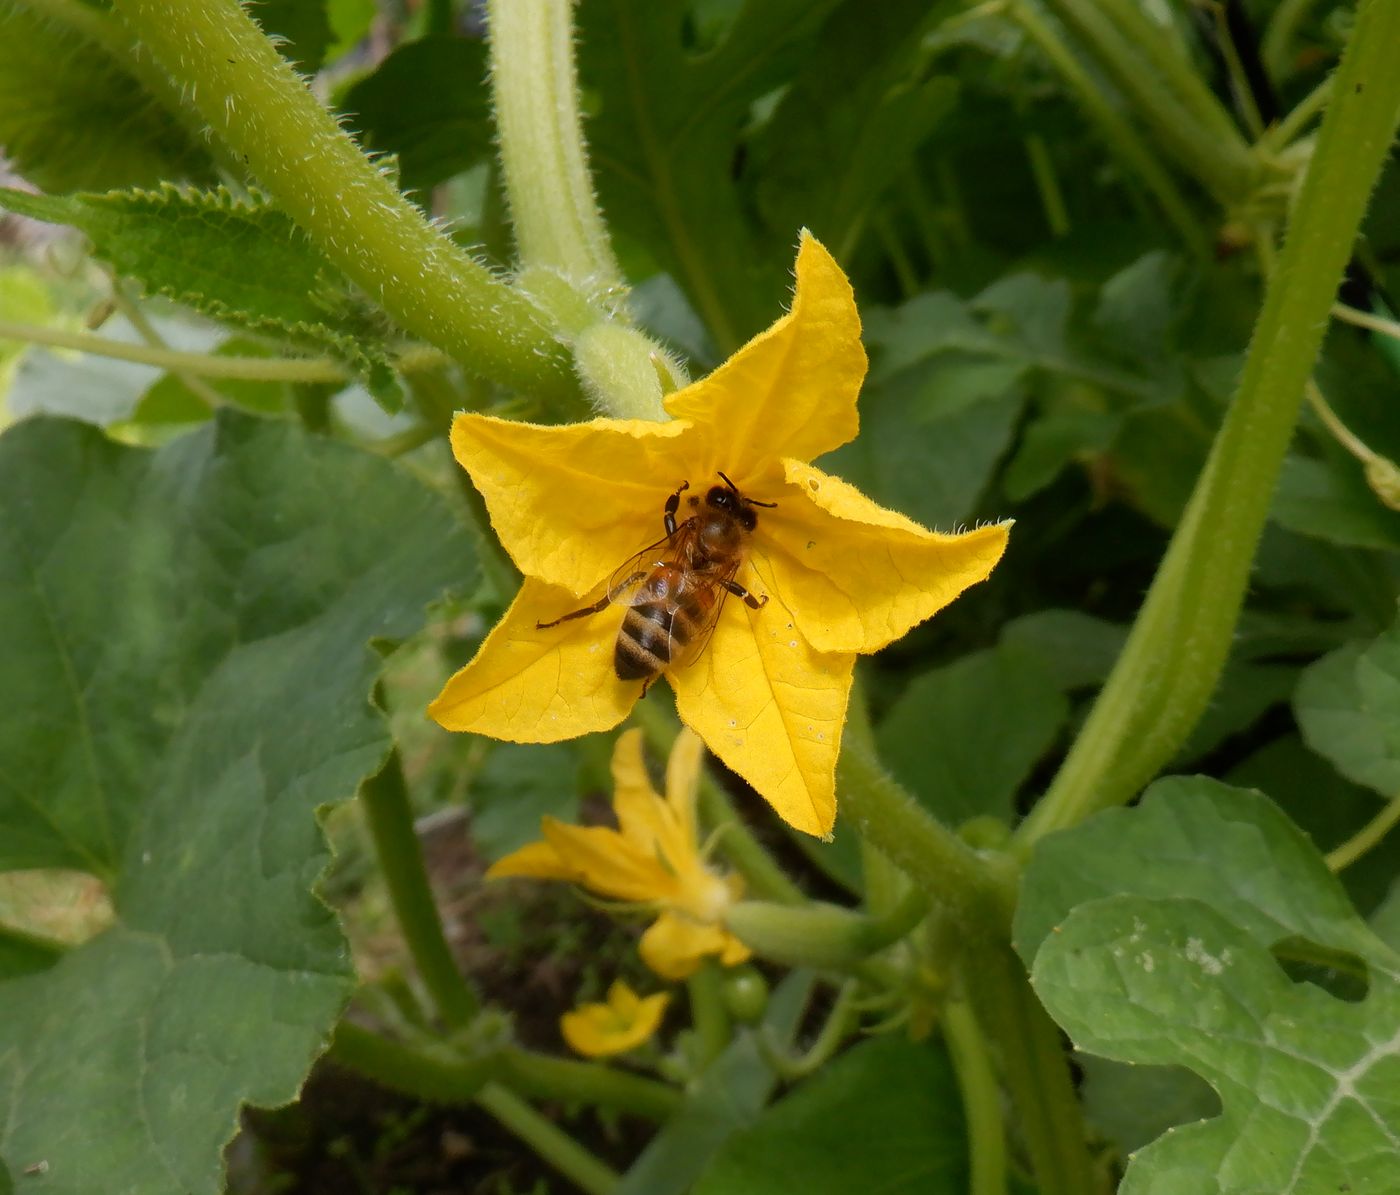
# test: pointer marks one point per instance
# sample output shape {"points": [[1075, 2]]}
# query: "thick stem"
{"points": [[549, 1078], [707, 1011], [556, 218], [255, 102], [385, 801], [1178, 645]]}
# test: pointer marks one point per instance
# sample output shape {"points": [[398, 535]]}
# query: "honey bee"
{"points": [[675, 588]]}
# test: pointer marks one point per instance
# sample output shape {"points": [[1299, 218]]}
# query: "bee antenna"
{"points": [[756, 502], [727, 482]]}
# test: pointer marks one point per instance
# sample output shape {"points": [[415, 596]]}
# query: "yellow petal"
{"points": [[597, 1030], [533, 686], [683, 779], [855, 575], [534, 860], [772, 708], [606, 864], [641, 813], [791, 391], [674, 946], [573, 502]]}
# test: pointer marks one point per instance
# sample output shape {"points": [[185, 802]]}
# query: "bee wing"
{"points": [[625, 587], [701, 639]]}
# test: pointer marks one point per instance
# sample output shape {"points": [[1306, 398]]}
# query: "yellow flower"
{"points": [[842, 575], [624, 1022], [651, 859]]}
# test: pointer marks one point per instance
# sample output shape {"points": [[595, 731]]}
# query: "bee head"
{"points": [[727, 498]]}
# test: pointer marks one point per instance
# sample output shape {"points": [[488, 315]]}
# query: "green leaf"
{"points": [[965, 737], [188, 681], [1329, 499], [726, 1098], [72, 118], [1348, 708], [886, 1116], [1169, 923], [429, 104], [850, 123], [1076, 650], [1191, 837], [241, 262], [663, 143], [1307, 1082]]}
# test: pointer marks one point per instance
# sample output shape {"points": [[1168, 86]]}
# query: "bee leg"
{"points": [[601, 604], [753, 603], [673, 504], [646, 684]]}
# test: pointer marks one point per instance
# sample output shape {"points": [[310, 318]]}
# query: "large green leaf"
{"points": [[187, 680], [427, 102], [1348, 706], [1166, 921], [240, 261], [965, 737], [886, 1116], [72, 118], [664, 141]]}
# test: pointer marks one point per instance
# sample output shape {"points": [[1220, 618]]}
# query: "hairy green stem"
{"points": [[839, 1022], [1179, 642], [981, 1098], [390, 819], [548, 1140], [255, 102], [1291, 126], [1117, 131], [960, 882], [556, 218]]}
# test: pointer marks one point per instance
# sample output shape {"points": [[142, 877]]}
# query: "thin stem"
{"points": [[1034, 1067], [255, 102], [1239, 81], [390, 819], [544, 163], [1364, 319], [1333, 423], [1122, 138], [1298, 117], [548, 1140], [252, 369], [1187, 120], [1278, 36], [981, 1098], [1365, 838], [763, 877], [839, 1021], [1178, 645], [546, 1077], [1052, 199], [147, 331], [707, 1011]]}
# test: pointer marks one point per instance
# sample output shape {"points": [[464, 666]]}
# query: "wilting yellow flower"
{"points": [[623, 1023], [652, 859], [842, 575]]}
